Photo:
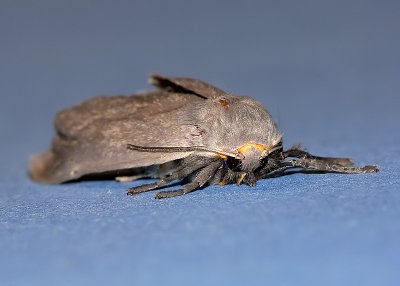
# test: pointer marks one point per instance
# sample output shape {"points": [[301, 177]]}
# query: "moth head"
{"points": [[251, 156]]}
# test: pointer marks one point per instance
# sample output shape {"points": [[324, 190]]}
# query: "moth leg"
{"points": [[200, 179], [127, 179], [187, 167], [188, 188], [326, 166], [296, 152], [152, 186], [276, 172], [182, 172], [240, 178]]}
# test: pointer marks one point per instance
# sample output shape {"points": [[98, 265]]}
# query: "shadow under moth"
{"points": [[186, 130]]}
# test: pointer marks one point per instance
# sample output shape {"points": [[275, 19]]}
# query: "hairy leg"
{"points": [[200, 179], [296, 152], [152, 186], [277, 171], [316, 164], [326, 166], [187, 167]]}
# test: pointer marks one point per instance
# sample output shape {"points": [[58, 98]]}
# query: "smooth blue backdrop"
{"points": [[327, 70]]}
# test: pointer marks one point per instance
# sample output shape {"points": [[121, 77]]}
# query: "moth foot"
{"points": [[370, 169], [223, 182], [240, 178], [140, 189]]}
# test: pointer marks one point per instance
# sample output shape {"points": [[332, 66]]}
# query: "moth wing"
{"points": [[142, 107], [91, 138], [186, 85]]}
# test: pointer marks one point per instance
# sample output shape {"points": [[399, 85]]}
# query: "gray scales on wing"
{"points": [[186, 128]]}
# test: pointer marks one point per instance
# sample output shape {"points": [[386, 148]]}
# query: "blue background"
{"points": [[327, 70]]}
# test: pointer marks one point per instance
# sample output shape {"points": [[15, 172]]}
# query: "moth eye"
{"points": [[234, 164]]}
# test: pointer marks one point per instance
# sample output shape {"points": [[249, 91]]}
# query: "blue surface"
{"points": [[327, 70]]}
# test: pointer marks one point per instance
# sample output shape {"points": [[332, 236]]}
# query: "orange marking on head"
{"points": [[240, 152], [243, 149]]}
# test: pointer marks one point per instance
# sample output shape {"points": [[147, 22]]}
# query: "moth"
{"points": [[186, 130]]}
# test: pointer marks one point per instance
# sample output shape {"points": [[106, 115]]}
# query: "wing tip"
{"points": [[42, 168], [157, 80]]}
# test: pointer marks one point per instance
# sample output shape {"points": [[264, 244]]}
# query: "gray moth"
{"points": [[185, 130]]}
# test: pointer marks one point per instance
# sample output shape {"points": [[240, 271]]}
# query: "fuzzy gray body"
{"points": [[185, 129]]}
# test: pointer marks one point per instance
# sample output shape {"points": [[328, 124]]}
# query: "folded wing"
{"points": [[92, 137]]}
